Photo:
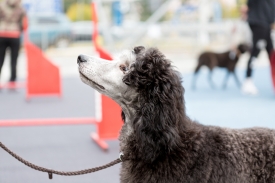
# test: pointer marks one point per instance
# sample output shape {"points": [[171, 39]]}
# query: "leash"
{"points": [[51, 172]]}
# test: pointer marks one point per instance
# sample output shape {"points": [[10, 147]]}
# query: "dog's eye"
{"points": [[123, 68]]}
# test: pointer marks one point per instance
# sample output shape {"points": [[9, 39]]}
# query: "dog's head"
{"points": [[243, 48], [141, 71], [107, 76]]}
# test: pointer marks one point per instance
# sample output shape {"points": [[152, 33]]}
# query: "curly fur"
{"points": [[162, 145]]}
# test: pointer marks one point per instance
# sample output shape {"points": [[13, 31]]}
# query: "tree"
{"points": [[78, 12], [68, 3]]}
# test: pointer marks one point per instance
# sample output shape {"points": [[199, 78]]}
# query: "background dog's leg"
{"points": [[236, 78], [195, 76], [210, 79], [194, 81], [226, 79]]}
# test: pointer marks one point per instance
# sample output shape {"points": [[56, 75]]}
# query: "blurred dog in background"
{"points": [[226, 60]]}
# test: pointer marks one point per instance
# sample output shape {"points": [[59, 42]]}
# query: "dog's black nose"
{"points": [[81, 58]]}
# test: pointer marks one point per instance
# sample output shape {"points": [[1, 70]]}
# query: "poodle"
{"points": [[160, 143], [226, 60]]}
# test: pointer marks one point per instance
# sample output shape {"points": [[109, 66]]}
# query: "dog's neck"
{"points": [[128, 112], [139, 135], [128, 107]]}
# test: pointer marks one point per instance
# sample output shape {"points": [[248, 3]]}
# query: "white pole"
{"points": [[103, 22], [203, 21]]}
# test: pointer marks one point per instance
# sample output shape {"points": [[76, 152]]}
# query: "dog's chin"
{"points": [[90, 82]]}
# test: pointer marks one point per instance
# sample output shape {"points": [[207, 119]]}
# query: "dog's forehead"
{"points": [[126, 56]]}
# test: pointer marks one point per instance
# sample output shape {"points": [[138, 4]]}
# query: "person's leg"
{"points": [[269, 44], [3, 47], [259, 42], [14, 48], [258, 35]]}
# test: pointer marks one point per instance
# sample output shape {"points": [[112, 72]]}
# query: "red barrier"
{"points": [[43, 76], [109, 126], [43, 79]]}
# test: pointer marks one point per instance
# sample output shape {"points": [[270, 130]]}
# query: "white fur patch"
{"points": [[126, 55]]}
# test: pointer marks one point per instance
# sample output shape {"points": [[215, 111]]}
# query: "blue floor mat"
{"points": [[229, 107]]}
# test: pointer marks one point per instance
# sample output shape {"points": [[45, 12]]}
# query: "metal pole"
{"points": [[140, 31], [203, 22], [104, 23], [45, 41]]}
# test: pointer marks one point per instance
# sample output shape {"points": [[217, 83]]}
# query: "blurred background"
{"points": [[181, 29]]}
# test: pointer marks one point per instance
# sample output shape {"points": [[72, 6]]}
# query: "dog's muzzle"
{"points": [[82, 59]]}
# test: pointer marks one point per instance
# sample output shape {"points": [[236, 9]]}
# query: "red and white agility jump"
{"points": [[108, 121]]}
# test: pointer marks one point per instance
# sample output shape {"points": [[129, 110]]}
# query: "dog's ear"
{"points": [[138, 49], [160, 109]]}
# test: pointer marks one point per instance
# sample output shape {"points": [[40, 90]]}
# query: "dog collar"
{"points": [[121, 156]]}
